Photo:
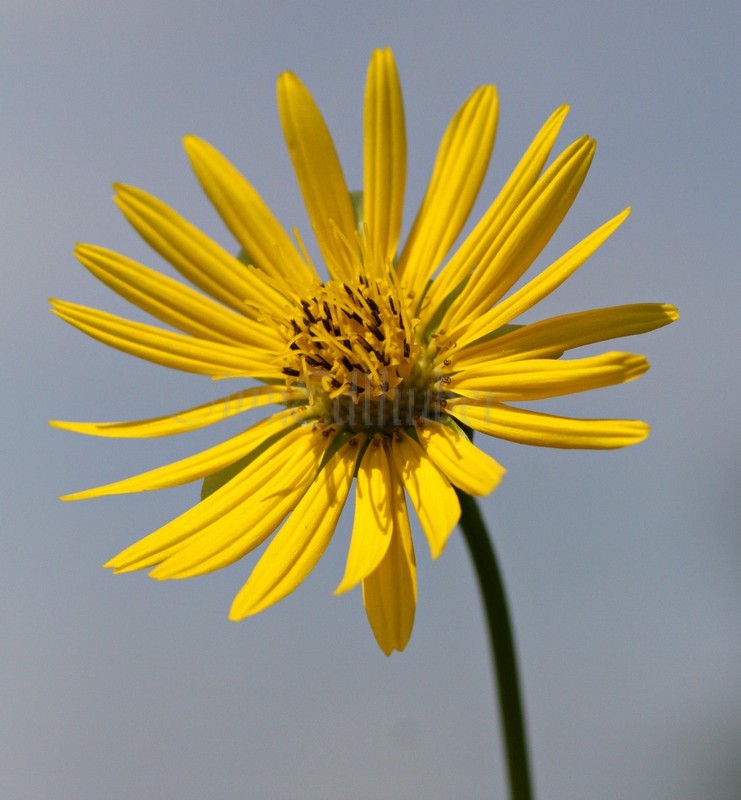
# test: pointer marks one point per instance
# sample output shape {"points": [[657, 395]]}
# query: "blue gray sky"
{"points": [[622, 567]]}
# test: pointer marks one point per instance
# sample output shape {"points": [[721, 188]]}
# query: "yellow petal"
{"points": [[173, 303], [432, 496], [385, 153], [390, 591], [459, 170], [470, 254], [463, 464], [551, 337], [255, 477], [536, 379], [374, 516], [204, 463], [317, 168], [544, 430], [542, 285], [277, 488], [174, 350], [190, 419], [300, 543], [197, 257], [246, 215], [526, 233]]}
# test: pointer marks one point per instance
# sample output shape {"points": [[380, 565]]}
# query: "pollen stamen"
{"points": [[352, 343]]}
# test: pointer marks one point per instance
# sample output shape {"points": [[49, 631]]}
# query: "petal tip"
{"points": [[342, 588], [238, 613], [671, 311], [161, 573], [66, 498], [287, 80], [194, 145]]}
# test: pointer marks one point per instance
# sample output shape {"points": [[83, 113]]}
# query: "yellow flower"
{"points": [[376, 366]]}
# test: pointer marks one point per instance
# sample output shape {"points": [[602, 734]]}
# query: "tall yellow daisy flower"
{"points": [[377, 366]]}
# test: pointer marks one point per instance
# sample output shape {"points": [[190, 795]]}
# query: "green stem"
{"points": [[502, 646]]}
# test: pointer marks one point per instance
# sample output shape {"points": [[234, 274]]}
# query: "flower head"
{"points": [[379, 366]]}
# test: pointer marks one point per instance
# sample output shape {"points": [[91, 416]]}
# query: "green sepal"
{"points": [[356, 198], [437, 317], [339, 440], [213, 482], [500, 331], [217, 479], [244, 257]]}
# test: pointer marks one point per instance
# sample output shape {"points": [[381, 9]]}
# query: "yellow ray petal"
{"points": [[374, 515], [195, 256], [190, 419], [390, 591], [469, 255], [173, 303], [246, 215], [174, 350], [229, 538], [463, 464], [544, 430], [205, 463], [526, 233], [317, 168], [300, 543], [536, 379], [459, 169], [542, 285], [551, 337], [385, 153], [432, 496], [254, 478], [277, 490]]}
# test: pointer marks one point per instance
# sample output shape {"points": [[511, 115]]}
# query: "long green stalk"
{"points": [[507, 683]]}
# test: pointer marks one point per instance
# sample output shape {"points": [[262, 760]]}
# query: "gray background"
{"points": [[622, 567]]}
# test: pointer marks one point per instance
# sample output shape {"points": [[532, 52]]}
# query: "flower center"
{"points": [[352, 345]]}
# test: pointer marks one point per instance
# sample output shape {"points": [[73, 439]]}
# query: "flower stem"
{"points": [[502, 646]]}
